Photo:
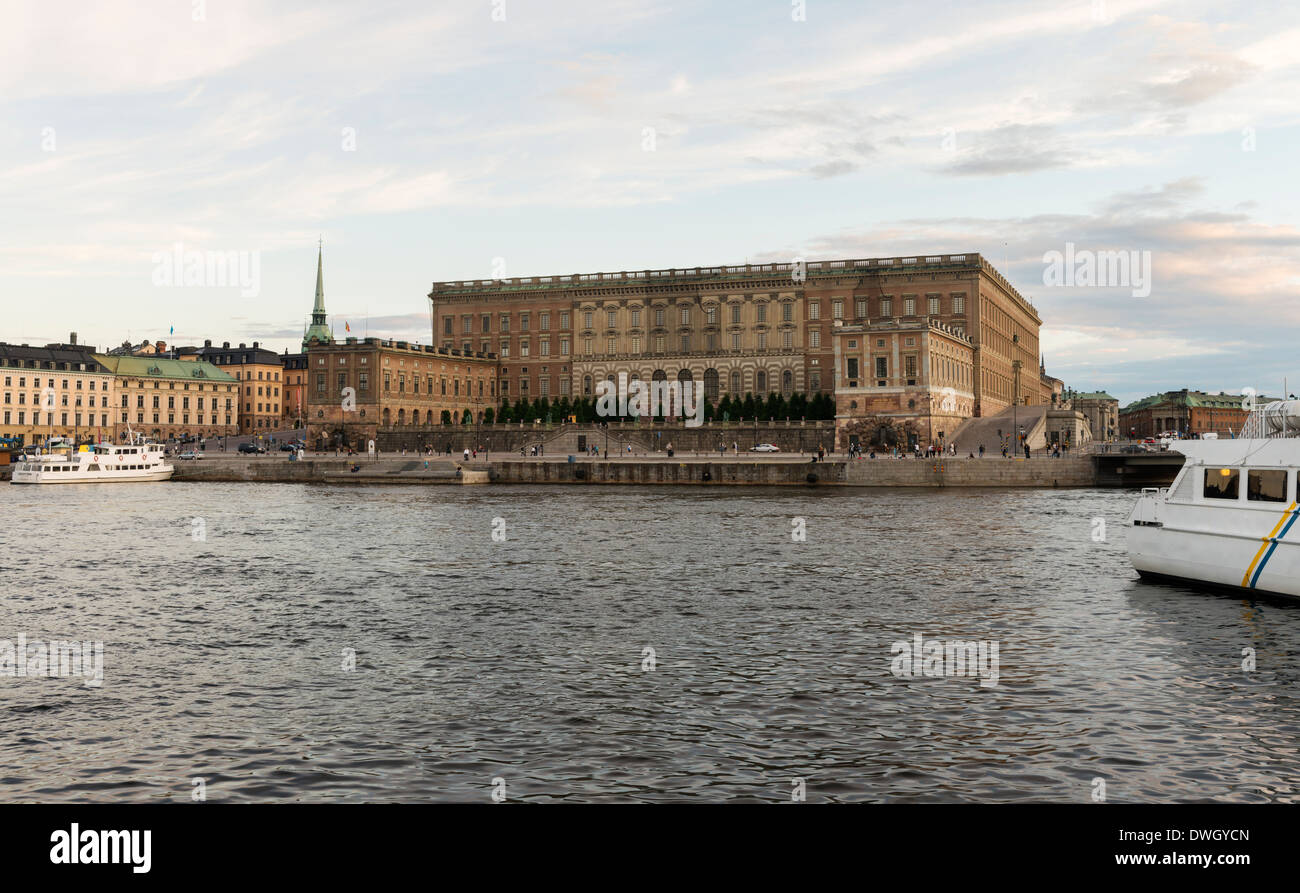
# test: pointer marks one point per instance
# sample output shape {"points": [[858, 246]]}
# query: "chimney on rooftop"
{"points": [[207, 342], [72, 338]]}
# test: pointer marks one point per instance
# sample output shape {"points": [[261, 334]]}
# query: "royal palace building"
{"points": [[920, 371], [751, 328]]}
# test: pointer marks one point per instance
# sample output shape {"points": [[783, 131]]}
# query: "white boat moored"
{"points": [[101, 464], [1229, 518]]}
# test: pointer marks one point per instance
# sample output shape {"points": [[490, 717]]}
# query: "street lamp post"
{"points": [[1015, 402]]}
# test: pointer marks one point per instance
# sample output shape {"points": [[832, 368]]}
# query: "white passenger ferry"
{"points": [[102, 463], [1229, 518]]}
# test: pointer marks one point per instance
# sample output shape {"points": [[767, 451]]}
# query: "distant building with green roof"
{"points": [[1187, 413], [166, 398]]}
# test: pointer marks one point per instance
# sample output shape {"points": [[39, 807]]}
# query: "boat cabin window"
{"points": [[1266, 485], [1222, 483]]}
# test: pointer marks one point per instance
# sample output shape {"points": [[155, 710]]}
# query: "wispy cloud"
{"points": [[605, 133]]}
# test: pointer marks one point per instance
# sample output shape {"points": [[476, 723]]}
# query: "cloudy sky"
{"points": [[435, 140]]}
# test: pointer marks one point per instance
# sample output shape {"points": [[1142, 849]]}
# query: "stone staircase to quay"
{"points": [[973, 433]]}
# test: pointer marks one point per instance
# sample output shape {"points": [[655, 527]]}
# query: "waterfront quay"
{"points": [[701, 469]]}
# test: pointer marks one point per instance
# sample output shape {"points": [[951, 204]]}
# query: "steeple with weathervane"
{"points": [[318, 330]]}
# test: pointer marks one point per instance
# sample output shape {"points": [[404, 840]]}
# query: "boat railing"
{"points": [[1279, 419]]}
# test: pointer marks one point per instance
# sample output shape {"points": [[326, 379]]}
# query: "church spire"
{"points": [[318, 329]]}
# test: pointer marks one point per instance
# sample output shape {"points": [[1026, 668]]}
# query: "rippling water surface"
{"points": [[523, 660]]}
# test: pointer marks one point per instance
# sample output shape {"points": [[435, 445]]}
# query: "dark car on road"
{"points": [[251, 448]]}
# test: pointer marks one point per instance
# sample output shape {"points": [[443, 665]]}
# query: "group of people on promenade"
{"points": [[1055, 451], [854, 451]]}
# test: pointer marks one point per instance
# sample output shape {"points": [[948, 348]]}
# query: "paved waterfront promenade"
{"points": [[655, 468]]}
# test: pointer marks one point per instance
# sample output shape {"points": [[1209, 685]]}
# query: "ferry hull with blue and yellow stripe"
{"points": [[1195, 532]]}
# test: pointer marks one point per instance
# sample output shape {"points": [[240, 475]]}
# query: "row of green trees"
{"points": [[775, 407]]}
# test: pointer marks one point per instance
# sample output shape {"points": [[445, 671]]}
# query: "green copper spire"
{"points": [[318, 329]]}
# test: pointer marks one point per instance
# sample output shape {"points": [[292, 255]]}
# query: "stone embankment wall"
{"points": [[1047, 473], [792, 437], [883, 472]]}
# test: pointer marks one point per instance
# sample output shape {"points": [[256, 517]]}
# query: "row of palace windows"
{"points": [[659, 316], [885, 306], [686, 314], [713, 383], [363, 384], [710, 341]]}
